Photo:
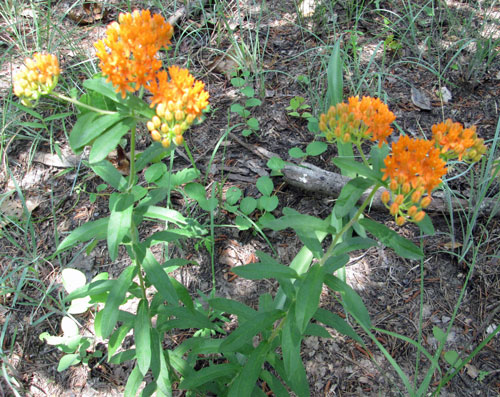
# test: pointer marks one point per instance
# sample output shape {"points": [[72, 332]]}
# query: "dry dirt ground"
{"points": [[388, 285]]}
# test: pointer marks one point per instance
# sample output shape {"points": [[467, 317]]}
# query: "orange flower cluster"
{"points": [[128, 52], [38, 77], [414, 167], [358, 120], [180, 101], [456, 141]]}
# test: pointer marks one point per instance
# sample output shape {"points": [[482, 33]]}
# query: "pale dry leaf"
{"points": [[472, 371], [420, 99]]}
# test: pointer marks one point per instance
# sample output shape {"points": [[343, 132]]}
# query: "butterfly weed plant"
{"points": [[265, 347]]}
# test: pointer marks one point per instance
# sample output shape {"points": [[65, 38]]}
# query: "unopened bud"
{"points": [[155, 135]]}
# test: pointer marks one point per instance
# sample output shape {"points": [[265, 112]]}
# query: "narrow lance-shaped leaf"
{"points": [[120, 220], [142, 336], [115, 299]]}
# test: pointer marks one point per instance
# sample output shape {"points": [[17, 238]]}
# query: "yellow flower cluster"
{"points": [[458, 142], [38, 77], [358, 120], [128, 52], [179, 100], [413, 167]]}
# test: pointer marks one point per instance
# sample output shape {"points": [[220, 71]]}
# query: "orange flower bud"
{"points": [[160, 110], [385, 197], [394, 209], [419, 217], [399, 199], [412, 211], [425, 201], [406, 188], [177, 129], [393, 185], [156, 121], [150, 125], [164, 128], [155, 135], [415, 197], [178, 140], [400, 221], [179, 115], [165, 142]]}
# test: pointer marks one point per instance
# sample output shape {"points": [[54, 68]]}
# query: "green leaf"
{"points": [[155, 172], [184, 176], [110, 174], [252, 102], [117, 338], [258, 271], [316, 148], [274, 384], [123, 356], [336, 322], [246, 132], [353, 244], [299, 222], [352, 166], [276, 163], [155, 152], [89, 127], [296, 153], [133, 383], [195, 191], [243, 311], [67, 361], [247, 378], [350, 194], [377, 156], [208, 374], [242, 223], [426, 226], [335, 88], [121, 206], [109, 140], [439, 335], [267, 203], [253, 123], [248, 329], [290, 346], [157, 276], [308, 296], [238, 82], [453, 359], [116, 297], [351, 300], [314, 329], [142, 337], [248, 205], [265, 185], [248, 91], [233, 194], [390, 238], [90, 230]]}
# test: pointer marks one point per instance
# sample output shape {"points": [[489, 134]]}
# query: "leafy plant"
{"points": [[266, 344], [244, 83]]}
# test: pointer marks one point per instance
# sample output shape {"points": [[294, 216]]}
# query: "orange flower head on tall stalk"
{"points": [[38, 77], [180, 100], [358, 120], [128, 52], [455, 141], [413, 167]]}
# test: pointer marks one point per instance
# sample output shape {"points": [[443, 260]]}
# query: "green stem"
{"points": [[346, 227], [360, 150], [78, 103], [186, 147]]}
